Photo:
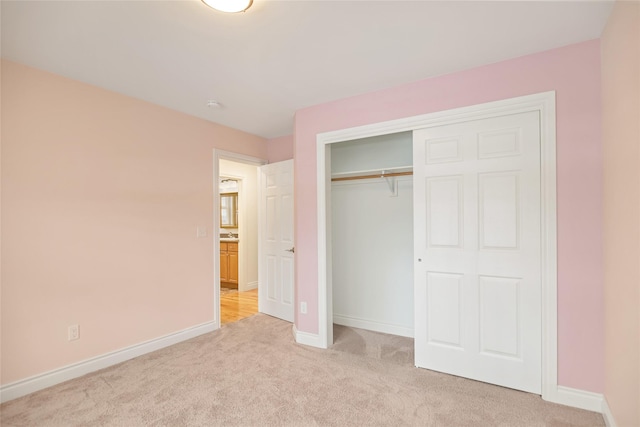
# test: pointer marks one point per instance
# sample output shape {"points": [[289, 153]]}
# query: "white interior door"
{"points": [[276, 251], [477, 250]]}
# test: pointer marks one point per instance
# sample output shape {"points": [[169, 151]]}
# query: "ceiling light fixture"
{"points": [[230, 6]]}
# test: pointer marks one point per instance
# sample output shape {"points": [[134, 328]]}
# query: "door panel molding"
{"points": [[545, 105]]}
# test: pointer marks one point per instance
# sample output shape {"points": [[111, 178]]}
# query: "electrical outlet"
{"points": [[74, 332], [303, 308]]}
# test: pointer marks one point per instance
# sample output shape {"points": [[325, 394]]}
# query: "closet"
{"points": [[372, 233], [465, 261]]}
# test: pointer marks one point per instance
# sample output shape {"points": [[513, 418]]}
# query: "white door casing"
{"points": [[276, 241], [477, 248]]}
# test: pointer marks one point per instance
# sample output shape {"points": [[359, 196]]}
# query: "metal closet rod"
{"points": [[380, 175]]}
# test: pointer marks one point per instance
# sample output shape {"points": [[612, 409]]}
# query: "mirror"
{"points": [[229, 210]]}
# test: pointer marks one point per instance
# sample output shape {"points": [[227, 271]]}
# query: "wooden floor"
{"points": [[238, 305]]}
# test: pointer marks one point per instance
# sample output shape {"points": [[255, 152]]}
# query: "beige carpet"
{"points": [[251, 373]]}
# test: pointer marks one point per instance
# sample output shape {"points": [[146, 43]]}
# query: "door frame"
{"points": [[238, 158], [545, 104]]}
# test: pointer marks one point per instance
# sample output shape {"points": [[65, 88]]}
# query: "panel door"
{"points": [[276, 251], [478, 250]]}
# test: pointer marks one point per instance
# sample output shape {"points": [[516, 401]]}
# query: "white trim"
{"points": [[607, 414], [306, 338], [544, 103], [234, 157], [370, 325], [325, 287], [576, 398], [75, 370], [517, 105], [251, 286], [549, 242]]}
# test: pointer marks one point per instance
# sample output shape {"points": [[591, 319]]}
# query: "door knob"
{"points": [[292, 250]]}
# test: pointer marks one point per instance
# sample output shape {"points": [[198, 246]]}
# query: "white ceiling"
{"points": [[279, 56]]}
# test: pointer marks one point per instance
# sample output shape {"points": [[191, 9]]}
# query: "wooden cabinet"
{"points": [[224, 263], [229, 264], [233, 263]]}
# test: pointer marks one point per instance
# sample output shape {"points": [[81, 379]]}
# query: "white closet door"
{"points": [[477, 249]]}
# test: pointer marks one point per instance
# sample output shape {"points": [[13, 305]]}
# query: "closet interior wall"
{"points": [[372, 234]]}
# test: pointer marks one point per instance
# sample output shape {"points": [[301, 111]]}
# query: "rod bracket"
{"points": [[392, 182]]}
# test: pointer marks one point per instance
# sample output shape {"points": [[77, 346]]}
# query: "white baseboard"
{"points": [[38, 382], [251, 286], [576, 398], [307, 338], [370, 325], [607, 415]]}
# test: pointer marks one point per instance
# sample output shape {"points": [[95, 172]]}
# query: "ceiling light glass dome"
{"points": [[230, 6]]}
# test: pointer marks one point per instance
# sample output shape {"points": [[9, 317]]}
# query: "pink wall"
{"points": [[101, 196], [574, 73], [621, 146], [279, 149]]}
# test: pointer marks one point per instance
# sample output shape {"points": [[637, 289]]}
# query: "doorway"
{"points": [[235, 236], [541, 104], [238, 240], [372, 233]]}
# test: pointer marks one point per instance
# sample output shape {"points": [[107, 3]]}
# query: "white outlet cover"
{"points": [[73, 332]]}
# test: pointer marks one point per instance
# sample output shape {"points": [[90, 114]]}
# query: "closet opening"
{"points": [[371, 216]]}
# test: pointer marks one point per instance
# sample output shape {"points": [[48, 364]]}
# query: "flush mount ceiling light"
{"points": [[230, 6]]}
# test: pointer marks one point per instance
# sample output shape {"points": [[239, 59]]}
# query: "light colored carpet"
{"points": [[252, 373]]}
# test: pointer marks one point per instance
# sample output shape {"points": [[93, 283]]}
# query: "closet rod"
{"points": [[382, 175]]}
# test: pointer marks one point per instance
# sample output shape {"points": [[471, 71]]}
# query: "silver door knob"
{"points": [[292, 250]]}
